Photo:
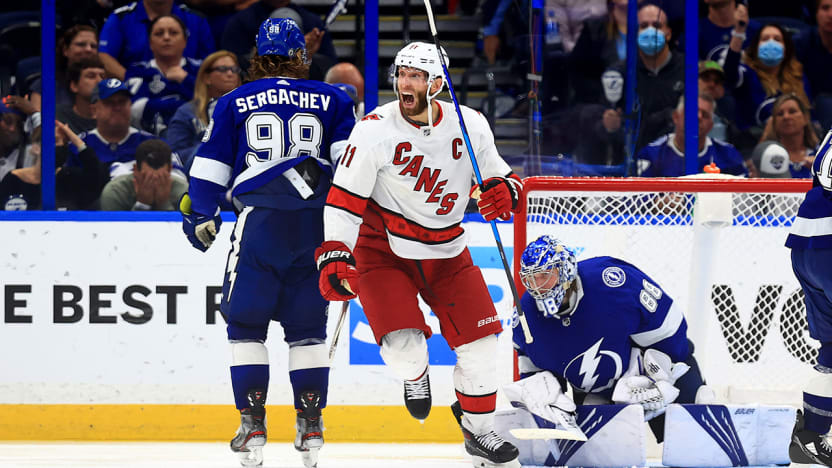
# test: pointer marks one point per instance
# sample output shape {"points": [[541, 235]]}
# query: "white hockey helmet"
{"points": [[422, 56]]}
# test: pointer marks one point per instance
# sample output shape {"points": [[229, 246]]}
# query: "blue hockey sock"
{"points": [[248, 377], [310, 379]]}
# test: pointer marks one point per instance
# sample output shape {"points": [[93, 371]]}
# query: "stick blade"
{"points": [[545, 434]]}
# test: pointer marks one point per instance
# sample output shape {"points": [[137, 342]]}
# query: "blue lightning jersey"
{"points": [[616, 308], [812, 228], [661, 158], [155, 98], [262, 130]]}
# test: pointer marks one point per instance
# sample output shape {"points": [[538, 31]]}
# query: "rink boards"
{"points": [[111, 331]]}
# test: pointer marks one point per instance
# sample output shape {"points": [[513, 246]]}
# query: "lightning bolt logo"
{"points": [[588, 372], [589, 364]]}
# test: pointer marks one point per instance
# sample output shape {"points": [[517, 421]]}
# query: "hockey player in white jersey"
{"points": [[396, 204]]}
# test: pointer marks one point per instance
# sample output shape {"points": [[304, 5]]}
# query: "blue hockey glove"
{"points": [[201, 230]]}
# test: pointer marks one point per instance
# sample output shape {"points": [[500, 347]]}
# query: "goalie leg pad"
{"points": [[727, 435], [405, 352], [616, 437], [475, 381]]}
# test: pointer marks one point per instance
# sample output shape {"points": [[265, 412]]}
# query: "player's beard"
{"points": [[420, 104]]}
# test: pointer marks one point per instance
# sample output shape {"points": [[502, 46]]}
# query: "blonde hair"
{"points": [[810, 138], [201, 98], [787, 77]]}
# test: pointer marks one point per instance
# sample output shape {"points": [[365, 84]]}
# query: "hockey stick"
{"points": [[338, 7], [520, 314], [545, 434], [338, 327]]}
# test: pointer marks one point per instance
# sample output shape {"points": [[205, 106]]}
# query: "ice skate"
{"points": [[487, 450], [417, 396], [809, 447], [310, 436], [251, 436]]}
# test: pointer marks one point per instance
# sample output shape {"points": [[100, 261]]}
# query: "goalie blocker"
{"points": [[695, 435]]}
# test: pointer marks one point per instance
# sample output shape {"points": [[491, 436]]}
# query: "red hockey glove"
{"points": [[498, 198], [339, 277]]}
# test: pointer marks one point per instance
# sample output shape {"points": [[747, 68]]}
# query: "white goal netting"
{"points": [[717, 247]]}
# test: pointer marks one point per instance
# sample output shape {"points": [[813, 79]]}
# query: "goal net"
{"points": [[716, 246]]}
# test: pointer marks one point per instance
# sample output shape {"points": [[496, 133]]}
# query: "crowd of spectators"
{"points": [[753, 55], [147, 72], [136, 83]]}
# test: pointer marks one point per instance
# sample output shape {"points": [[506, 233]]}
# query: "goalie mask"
{"points": [[421, 56], [547, 269]]}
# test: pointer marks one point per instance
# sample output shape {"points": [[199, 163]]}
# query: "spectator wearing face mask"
{"points": [[769, 69], [660, 74]]}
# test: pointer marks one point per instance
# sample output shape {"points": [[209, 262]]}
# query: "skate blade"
{"points": [[480, 462], [252, 457], [310, 457]]}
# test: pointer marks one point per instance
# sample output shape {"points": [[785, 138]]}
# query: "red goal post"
{"points": [[714, 244]]}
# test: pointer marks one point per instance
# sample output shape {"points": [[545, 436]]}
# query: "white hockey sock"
{"points": [[475, 381]]}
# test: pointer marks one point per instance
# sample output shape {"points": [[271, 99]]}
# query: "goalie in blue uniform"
{"points": [[274, 142], [607, 329]]}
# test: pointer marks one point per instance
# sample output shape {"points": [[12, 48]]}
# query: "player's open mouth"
{"points": [[408, 99]]}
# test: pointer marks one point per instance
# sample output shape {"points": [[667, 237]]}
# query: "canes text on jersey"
{"points": [[427, 179], [283, 96]]}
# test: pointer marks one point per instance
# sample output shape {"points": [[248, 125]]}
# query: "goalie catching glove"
{"points": [[201, 230], [339, 277], [653, 389], [498, 197]]}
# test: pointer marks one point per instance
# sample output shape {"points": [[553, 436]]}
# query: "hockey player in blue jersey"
{"points": [[273, 142], [811, 243], [606, 328]]}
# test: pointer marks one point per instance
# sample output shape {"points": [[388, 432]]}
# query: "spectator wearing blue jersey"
{"points": [[113, 141], [124, 37], [159, 86], [770, 69], [814, 50], [811, 242], [274, 142], [726, 21], [218, 74], [791, 126], [665, 157]]}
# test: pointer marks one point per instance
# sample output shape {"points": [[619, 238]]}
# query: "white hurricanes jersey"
{"points": [[416, 178]]}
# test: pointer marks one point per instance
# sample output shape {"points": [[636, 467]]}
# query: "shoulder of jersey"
{"points": [[608, 271], [380, 114], [186, 9], [722, 144], [659, 141], [121, 11], [193, 62]]}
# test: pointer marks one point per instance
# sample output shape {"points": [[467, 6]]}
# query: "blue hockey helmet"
{"points": [[545, 255], [280, 36]]}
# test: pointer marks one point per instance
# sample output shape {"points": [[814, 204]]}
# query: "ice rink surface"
{"points": [[217, 455]]}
